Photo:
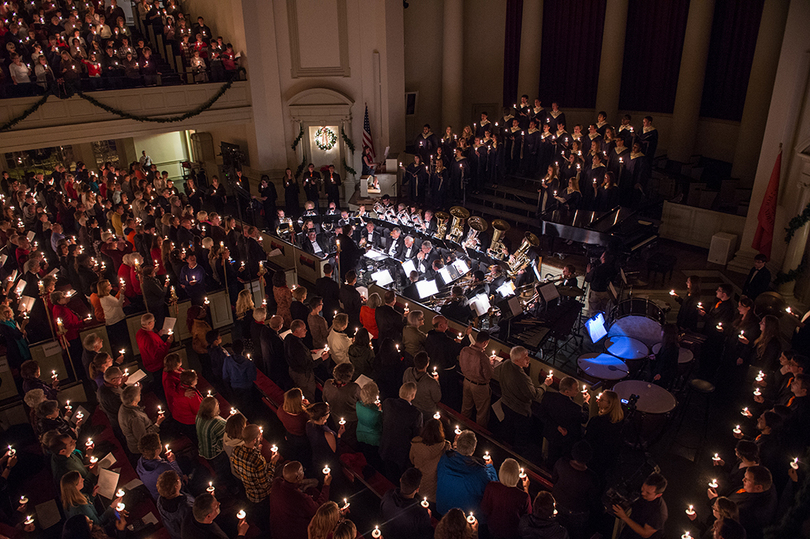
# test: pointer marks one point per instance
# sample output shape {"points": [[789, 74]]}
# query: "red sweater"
{"points": [[171, 381], [70, 321], [185, 408], [503, 507], [153, 349], [291, 510]]}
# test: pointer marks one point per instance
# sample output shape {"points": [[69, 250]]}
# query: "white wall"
{"points": [[423, 64], [167, 151]]}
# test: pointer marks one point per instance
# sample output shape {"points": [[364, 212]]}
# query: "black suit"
{"points": [[401, 422], [410, 292], [757, 282], [332, 185], [458, 310], [376, 237], [389, 323], [558, 410], [329, 290], [394, 247], [307, 247], [352, 302], [349, 254], [405, 255]]}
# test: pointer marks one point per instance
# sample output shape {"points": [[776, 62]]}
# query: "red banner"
{"points": [[763, 238]]}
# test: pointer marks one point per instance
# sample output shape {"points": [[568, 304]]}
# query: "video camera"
{"points": [[626, 492]]}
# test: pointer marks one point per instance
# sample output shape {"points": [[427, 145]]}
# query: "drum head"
{"points": [[626, 348], [602, 366], [640, 328], [652, 399], [684, 354]]}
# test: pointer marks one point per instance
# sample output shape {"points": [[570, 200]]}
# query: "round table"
{"points": [[626, 348], [684, 354], [652, 399], [602, 366]]}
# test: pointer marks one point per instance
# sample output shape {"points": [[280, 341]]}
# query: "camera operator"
{"points": [[649, 511]]}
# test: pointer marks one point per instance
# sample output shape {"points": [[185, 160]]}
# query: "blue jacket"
{"points": [[150, 470], [238, 372], [217, 355], [461, 482]]}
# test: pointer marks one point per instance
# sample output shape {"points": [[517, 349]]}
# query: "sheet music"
{"points": [[382, 278], [107, 481], [408, 266], [426, 288]]}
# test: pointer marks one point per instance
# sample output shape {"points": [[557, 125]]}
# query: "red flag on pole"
{"points": [[763, 238]]}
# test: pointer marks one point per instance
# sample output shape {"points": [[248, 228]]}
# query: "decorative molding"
{"points": [[319, 106], [299, 71]]}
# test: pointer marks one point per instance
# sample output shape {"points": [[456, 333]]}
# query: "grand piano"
{"points": [[621, 227]]}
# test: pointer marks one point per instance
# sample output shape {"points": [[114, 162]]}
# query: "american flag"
{"points": [[368, 142]]}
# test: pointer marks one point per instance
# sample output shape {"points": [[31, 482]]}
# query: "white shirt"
{"points": [[339, 344], [113, 309], [393, 249], [316, 247]]}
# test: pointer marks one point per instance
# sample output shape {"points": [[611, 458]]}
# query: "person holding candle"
{"points": [[477, 369], [461, 477], [200, 524], [186, 403], [30, 373], [349, 295], [342, 395], [756, 501], [767, 347], [153, 350], [688, 312], [75, 502], [426, 451], [337, 339], [210, 436], [718, 321], [98, 367], [324, 521], [562, 418], [291, 509], [604, 430], [722, 509], [401, 511], [71, 324], [283, 297], [747, 453], [151, 465], [428, 390], [322, 439], [299, 359], [134, 421], [505, 501], [192, 280], [49, 417], [455, 525], [238, 375], [255, 473]]}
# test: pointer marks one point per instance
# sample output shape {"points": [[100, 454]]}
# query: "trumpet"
{"points": [[460, 216], [500, 228], [477, 225], [441, 224], [284, 230]]}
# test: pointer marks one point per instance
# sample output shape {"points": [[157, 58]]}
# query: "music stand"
{"points": [[426, 288], [382, 278]]}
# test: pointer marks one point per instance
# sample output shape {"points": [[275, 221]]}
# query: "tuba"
{"points": [[284, 230], [441, 224], [477, 225], [460, 216], [499, 227], [520, 259]]}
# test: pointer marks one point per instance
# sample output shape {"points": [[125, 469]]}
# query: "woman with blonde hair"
{"points": [[75, 502], [234, 428], [293, 415], [604, 431], [114, 316], [337, 339], [345, 529], [99, 366], [454, 525], [244, 313], [506, 500], [324, 521]]}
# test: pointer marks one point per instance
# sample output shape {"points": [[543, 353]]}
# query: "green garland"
{"points": [[792, 275], [185, 116], [26, 113], [349, 169], [331, 139], [796, 223], [300, 168], [298, 138], [347, 141]]}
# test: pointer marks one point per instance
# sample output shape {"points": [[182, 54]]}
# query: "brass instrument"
{"points": [[499, 228], [477, 225], [379, 209], [520, 259], [285, 229], [460, 216], [441, 224]]}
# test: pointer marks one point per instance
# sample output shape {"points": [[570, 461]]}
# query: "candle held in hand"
{"points": [[120, 493], [326, 470], [424, 503], [376, 534], [713, 483], [691, 510], [241, 514], [795, 464]]}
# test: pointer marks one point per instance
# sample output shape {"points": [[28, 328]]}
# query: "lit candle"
{"points": [[795, 464], [68, 407], [346, 504], [686, 535], [274, 449], [209, 393], [89, 443], [120, 493], [745, 411], [206, 300], [29, 520], [424, 503], [523, 473], [23, 500], [471, 518], [54, 376], [757, 392], [691, 510], [487, 458], [713, 483], [342, 421], [120, 507], [241, 514], [160, 410], [167, 449], [211, 489], [376, 534], [326, 470], [760, 376], [93, 460], [671, 292], [700, 305], [233, 411], [737, 430], [437, 415], [458, 430], [716, 457]]}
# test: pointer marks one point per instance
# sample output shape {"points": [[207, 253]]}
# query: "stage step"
{"points": [[493, 200], [501, 214]]}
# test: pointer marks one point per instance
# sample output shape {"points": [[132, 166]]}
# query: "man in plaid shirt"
{"points": [[256, 474]]}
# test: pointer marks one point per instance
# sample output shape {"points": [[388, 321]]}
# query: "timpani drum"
{"points": [[653, 408], [602, 366], [626, 348], [638, 318], [684, 354]]}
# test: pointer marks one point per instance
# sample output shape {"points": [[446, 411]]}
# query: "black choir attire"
{"points": [[555, 118], [332, 184], [291, 189], [638, 172], [270, 197], [425, 145], [459, 173], [540, 115], [601, 127], [417, 178], [483, 127], [588, 188], [563, 140], [545, 153], [311, 182], [688, 316], [617, 164], [349, 254], [607, 198], [329, 290], [531, 152], [716, 313], [494, 162], [439, 185], [513, 149], [757, 282], [558, 410], [352, 302], [649, 143], [626, 133]]}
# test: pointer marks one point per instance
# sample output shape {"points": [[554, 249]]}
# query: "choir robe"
{"points": [[448, 147], [619, 170], [541, 117], [311, 187], [545, 153], [592, 139], [601, 127], [426, 145], [418, 177], [494, 163], [503, 126], [439, 184], [587, 187], [459, 173], [607, 199], [531, 152], [480, 157], [514, 149], [482, 128], [555, 119], [524, 114], [649, 142], [566, 172], [547, 189], [563, 140], [638, 169], [607, 147], [627, 133]]}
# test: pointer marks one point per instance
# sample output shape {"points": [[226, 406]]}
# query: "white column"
{"points": [[453, 65], [531, 39], [610, 65], [690, 80], [760, 88]]}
